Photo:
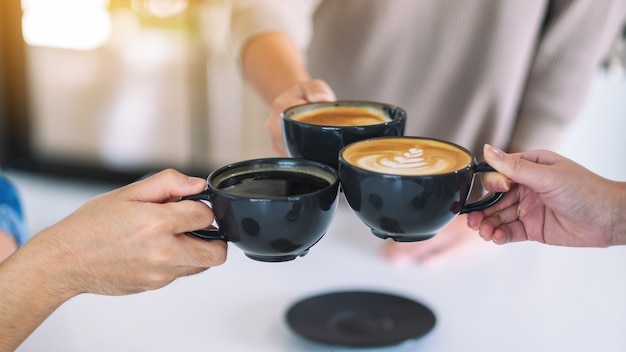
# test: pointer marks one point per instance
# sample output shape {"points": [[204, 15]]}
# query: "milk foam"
{"points": [[413, 160], [343, 116]]}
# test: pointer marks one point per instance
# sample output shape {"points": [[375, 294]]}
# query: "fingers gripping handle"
{"points": [[488, 200], [208, 233]]}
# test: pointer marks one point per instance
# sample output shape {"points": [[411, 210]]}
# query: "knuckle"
{"points": [[160, 225], [170, 173], [156, 279], [216, 255]]}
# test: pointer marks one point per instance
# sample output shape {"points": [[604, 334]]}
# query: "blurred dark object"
{"points": [[615, 62], [14, 127]]}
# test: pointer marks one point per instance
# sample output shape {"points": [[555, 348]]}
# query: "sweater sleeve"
{"points": [[253, 17], [576, 36]]}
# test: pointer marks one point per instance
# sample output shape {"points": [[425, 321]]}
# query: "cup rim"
{"points": [[285, 163], [349, 103], [461, 169]]}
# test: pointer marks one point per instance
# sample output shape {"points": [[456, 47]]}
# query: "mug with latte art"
{"points": [[408, 188]]}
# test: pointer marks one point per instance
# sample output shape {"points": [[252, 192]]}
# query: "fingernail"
{"points": [[494, 152], [469, 223], [497, 239], [317, 98], [505, 185], [195, 181]]}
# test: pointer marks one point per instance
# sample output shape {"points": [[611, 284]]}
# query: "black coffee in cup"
{"points": [[273, 183]]}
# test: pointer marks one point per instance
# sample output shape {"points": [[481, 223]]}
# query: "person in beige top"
{"points": [[509, 73]]}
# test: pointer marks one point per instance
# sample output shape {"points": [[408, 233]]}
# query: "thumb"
{"points": [[514, 167], [164, 186], [316, 91]]}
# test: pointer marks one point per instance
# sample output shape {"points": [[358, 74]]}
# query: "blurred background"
{"points": [[114, 89]]}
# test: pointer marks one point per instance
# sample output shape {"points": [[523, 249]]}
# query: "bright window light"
{"points": [[160, 8], [69, 24]]}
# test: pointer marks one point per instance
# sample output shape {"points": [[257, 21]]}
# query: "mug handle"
{"points": [[208, 233], [487, 201]]}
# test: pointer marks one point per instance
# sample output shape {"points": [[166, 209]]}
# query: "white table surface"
{"points": [[520, 297]]}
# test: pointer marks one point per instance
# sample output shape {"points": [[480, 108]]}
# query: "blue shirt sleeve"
{"points": [[11, 215]]}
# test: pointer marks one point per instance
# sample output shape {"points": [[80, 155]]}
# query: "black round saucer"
{"points": [[360, 319]]}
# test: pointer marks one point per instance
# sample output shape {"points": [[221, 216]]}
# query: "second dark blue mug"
{"points": [[318, 131]]}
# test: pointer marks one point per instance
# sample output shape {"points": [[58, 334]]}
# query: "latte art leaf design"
{"points": [[411, 159], [415, 161]]}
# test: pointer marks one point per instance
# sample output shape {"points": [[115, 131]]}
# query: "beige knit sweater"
{"points": [[512, 73]]}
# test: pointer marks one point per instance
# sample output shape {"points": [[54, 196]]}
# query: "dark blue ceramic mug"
{"points": [[273, 209], [408, 188], [318, 131]]}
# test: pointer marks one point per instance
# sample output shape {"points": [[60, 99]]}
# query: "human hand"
{"points": [[129, 240], [552, 200], [311, 91], [453, 241]]}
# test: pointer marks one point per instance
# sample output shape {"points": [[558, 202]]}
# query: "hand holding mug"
{"points": [[310, 91], [552, 200]]}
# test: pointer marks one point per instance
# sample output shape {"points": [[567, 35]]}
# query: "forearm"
{"points": [[619, 214], [272, 63], [29, 292], [7, 245]]}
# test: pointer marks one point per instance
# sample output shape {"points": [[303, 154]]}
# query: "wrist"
{"points": [[33, 290], [272, 63], [47, 262]]}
